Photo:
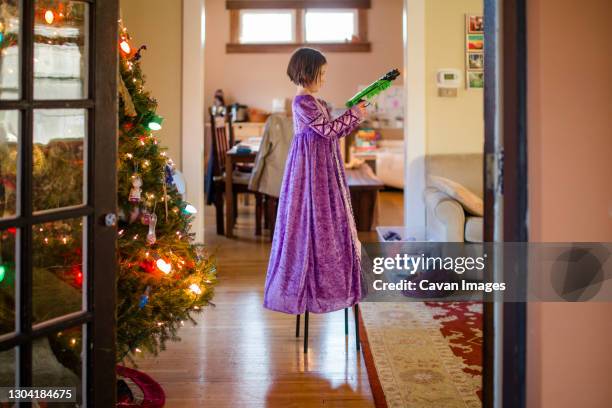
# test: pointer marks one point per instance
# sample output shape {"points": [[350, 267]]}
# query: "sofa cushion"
{"points": [[468, 200], [463, 168], [473, 229]]}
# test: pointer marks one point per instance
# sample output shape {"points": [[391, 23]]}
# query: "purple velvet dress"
{"points": [[315, 257]]}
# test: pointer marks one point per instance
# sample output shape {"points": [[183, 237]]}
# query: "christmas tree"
{"points": [[163, 278]]}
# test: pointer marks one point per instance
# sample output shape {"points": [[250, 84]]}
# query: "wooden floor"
{"points": [[242, 355]]}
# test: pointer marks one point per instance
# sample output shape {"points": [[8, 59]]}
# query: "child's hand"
{"points": [[362, 108]]}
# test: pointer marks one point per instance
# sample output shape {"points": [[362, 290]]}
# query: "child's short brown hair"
{"points": [[305, 66]]}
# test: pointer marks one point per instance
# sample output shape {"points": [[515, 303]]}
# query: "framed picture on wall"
{"points": [[475, 60], [474, 51], [475, 24], [475, 79], [475, 42]]}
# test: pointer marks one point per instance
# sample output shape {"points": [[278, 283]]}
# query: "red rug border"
{"points": [[377, 391]]}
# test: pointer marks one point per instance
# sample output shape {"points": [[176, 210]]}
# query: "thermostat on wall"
{"points": [[448, 78], [447, 81]]}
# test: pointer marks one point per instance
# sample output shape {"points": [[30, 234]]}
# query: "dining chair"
{"points": [[220, 126]]}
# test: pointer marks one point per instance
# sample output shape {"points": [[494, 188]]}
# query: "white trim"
{"points": [[192, 112], [415, 128]]}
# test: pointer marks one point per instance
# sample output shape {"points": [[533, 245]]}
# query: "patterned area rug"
{"points": [[424, 355]]}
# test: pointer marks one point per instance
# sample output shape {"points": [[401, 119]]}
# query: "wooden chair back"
{"points": [[220, 142]]}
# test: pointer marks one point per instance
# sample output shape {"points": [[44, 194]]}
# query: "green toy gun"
{"points": [[374, 89]]}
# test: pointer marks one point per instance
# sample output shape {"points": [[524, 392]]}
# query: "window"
{"points": [[276, 26], [267, 26], [323, 26]]}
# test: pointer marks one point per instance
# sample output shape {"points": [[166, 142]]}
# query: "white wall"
{"points": [[158, 25], [454, 124]]}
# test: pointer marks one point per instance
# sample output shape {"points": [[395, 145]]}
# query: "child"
{"points": [[315, 258]]}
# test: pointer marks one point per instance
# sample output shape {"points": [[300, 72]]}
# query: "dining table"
{"points": [[363, 185], [244, 152]]}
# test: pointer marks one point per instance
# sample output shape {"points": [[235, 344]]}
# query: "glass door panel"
{"points": [[58, 362], [60, 49], [9, 160], [10, 53], [8, 272], [58, 271], [59, 153]]}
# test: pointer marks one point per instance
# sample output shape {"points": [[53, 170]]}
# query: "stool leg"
{"points": [[297, 325], [346, 321], [306, 332], [357, 342]]}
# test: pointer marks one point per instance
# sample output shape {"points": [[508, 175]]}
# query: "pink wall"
{"points": [[255, 79], [570, 191]]}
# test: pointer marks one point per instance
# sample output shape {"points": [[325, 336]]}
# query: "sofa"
{"points": [[453, 197]]}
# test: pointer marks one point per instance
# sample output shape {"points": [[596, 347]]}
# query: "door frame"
{"points": [[99, 254], [506, 194]]}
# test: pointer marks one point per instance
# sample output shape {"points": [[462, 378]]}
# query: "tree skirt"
{"points": [[424, 356], [144, 391]]}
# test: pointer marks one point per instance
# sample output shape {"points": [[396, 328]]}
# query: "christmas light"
{"points": [[49, 16], [155, 122], [194, 288], [163, 266], [138, 350], [72, 342], [2, 272], [190, 209], [79, 278], [125, 47]]}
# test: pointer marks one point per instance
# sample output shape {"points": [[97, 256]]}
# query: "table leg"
{"points": [[229, 197]]}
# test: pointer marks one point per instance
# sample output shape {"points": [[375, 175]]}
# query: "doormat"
{"points": [[420, 356], [138, 390]]}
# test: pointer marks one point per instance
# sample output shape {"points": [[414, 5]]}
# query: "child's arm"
{"points": [[311, 114]]}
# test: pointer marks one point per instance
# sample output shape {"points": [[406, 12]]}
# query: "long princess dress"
{"points": [[315, 258]]}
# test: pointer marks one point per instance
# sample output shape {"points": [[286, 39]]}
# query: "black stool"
{"points": [[356, 313]]}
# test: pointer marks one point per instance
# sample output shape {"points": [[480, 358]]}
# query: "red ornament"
{"points": [[12, 230], [78, 275], [148, 266]]}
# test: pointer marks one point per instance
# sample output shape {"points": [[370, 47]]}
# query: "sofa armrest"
{"points": [[445, 217]]}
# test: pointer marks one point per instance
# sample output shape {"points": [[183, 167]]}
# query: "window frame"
{"points": [[234, 46]]}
